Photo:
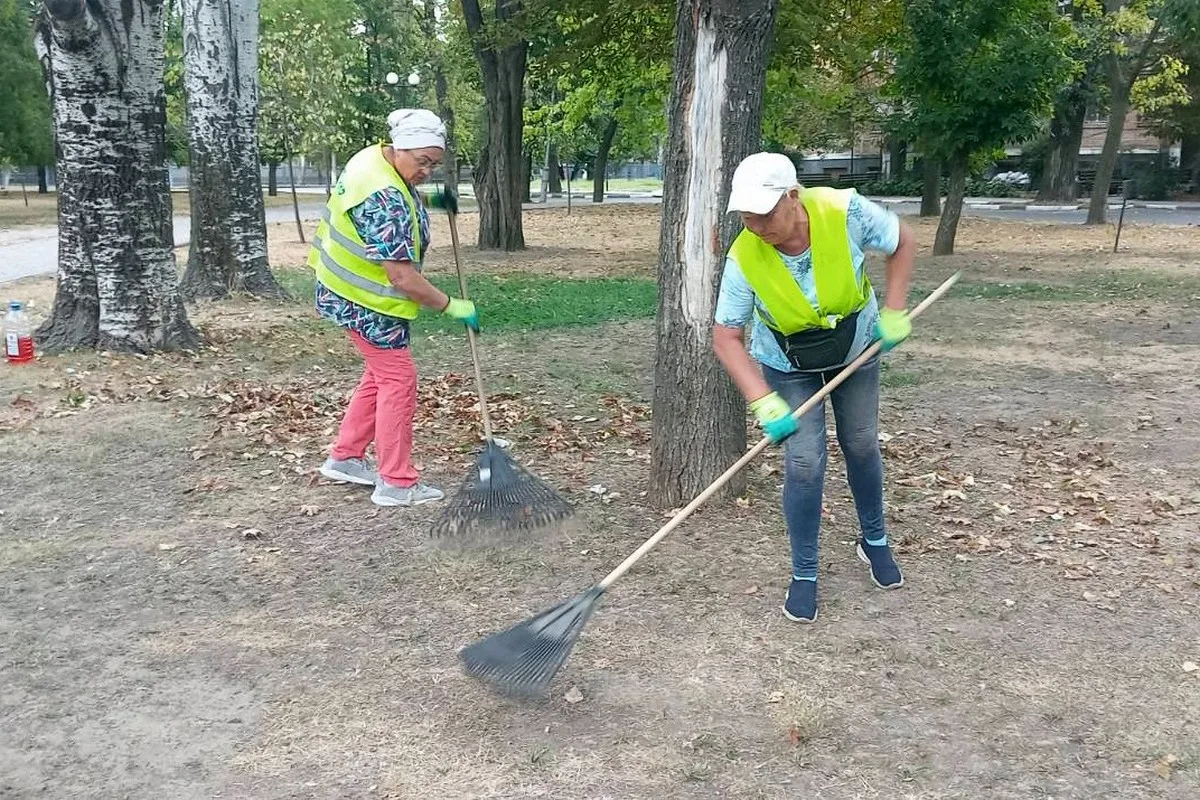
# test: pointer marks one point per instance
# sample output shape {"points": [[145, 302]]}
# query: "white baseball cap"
{"points": [[759, 181]]}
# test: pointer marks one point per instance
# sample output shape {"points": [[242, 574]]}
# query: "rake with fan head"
{"points": [[523, 660], [499, 501]]}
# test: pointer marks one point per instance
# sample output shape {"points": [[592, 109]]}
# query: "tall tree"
{"points": [[228, 251], [1137, 31], [441, 83], [715, 120], [117, 284], [500, 48], [25, 130], [976, 75], [1087, 45]]}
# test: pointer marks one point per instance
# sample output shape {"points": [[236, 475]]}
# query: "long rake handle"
{"points": [[753, 452], [462, 283]]}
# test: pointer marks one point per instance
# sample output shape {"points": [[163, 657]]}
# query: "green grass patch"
{"points": [[524, 301]]}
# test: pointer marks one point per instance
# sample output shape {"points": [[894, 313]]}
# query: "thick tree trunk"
{"points": [[1062, 156], [228, 251], [43, 179], [273, 179], [600, 165], [117, 286], [498, 168], [931, 187], [943, 242], [715, 120], [552, 169]]}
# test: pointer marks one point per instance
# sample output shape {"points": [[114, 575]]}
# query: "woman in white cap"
{"points": [[796, 274], [367, 253]]}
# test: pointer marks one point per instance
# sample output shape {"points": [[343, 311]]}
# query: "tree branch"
{"points": [[1139, 62], [477, 30]]}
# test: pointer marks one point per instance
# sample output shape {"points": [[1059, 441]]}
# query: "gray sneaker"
{"points": [[349, 470], [387, 495]]}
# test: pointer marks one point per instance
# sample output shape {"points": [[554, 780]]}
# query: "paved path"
{"points": [[25, 252]]}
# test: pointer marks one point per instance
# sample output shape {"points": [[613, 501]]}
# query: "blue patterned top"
{"points": [[385, 225], [869, 225]]}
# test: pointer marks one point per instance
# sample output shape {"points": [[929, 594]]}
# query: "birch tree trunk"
{"points": [[721, 49], [228, 251], [502, 58], [117, 287]]}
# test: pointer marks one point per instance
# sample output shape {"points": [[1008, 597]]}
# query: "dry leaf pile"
{"points": [[1049, 493]]}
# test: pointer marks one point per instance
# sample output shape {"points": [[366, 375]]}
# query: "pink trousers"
{"points": [[382, 410]]}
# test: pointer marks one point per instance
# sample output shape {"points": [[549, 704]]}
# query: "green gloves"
{"points": [[442, 198], [774, 417], [464, 311], [892, 327]]}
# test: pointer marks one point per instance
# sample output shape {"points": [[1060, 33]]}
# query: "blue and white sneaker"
{"points": [[884, 572], [801, 602]]}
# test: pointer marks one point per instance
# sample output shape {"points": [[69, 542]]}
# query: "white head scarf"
{"points": [[415, 128]]}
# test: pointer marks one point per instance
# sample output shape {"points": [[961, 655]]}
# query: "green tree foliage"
{"points": [[974, 75], [25, 129], [828, 67]]}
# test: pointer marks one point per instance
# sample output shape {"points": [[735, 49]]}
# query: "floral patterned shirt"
{"points": [[385, 224]]}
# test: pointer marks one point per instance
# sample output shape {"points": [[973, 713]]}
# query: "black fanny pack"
{"points": [[819, 348]]}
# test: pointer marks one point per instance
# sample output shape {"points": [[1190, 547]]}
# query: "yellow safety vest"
{"points": [[338, 253], [839, 293]]}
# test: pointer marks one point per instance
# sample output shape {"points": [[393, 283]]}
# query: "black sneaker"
{"points": [[884, 572], [801, 602]]}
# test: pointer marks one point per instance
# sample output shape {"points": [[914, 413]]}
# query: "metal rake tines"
{"points": [[524, 659]]}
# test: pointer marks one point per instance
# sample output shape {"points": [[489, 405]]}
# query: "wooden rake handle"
{"points": [[462, 283], [750, 455]]}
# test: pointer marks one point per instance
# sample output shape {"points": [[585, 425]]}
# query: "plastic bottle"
{"points": [[18, 338]]}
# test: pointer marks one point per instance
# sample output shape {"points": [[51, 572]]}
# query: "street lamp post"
{"points": [[393, 79]]}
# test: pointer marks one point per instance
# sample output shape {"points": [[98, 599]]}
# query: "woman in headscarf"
{"points": [[368, 252]]}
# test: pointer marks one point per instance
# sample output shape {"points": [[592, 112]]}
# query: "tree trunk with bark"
{"points": [[429, 27], [715, 120], [43, 179], [527, 177], [117, 287], [943, 242], [552, 169], [498, 169], [1121, 77], [1189, 159], [931, 187], [897, 156], [228, 251], [1059, 183], [273, 179], [600, 165]]}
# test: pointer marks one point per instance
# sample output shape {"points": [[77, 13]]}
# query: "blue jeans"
{"points": [[856, 414]]}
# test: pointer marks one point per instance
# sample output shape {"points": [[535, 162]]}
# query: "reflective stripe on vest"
{"points": [[366, 284], [839, 292], [339, 256]]}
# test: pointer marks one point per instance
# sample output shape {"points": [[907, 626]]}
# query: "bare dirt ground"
{"points": [[186, 611]]}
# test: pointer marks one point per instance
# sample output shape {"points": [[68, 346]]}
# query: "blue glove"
{"points": [[774, 417]]}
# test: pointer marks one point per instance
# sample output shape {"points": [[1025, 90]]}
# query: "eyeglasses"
{"points": [[424, 162]]}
